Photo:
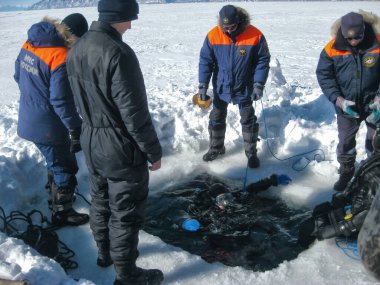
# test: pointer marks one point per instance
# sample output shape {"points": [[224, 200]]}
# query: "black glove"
{"points": [[203, 91], [75, 140], [257, 93]]}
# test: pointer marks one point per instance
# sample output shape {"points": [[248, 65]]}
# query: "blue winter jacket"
{"points": [[349, 73], [47, 107], [235, 63]]}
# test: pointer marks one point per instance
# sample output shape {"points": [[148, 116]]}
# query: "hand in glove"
{"points": [[201, 98], [346, 106], [257, 93], [283, 179], [202, 91], [374, 117], [75, 140]]}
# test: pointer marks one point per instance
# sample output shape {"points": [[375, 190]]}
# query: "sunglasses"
{"points": [[230, 28], [358, 38]]}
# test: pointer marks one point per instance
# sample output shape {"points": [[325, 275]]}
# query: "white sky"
{"points": [[167, 40]]}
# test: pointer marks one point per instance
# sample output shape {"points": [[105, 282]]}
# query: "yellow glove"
{"points": [[203, 104]]}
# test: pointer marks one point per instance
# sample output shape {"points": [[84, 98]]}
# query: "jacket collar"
{"points": [[104, 27]]}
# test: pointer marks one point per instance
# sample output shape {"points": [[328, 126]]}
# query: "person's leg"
{"points": [[100, 214], [250, 131], [346, 150], [217, 129], [127, 200], [62, 165]]}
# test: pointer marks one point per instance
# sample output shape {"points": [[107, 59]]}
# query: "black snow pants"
{"points": [[117, 214], [347, 130]]}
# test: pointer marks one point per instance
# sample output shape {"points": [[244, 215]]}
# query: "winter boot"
{"points": [[142, 277], [63, 212], [213, 154], [216, 143], [253, 161], [250, 137], [69, 218], [104, 257], [346, 172]]}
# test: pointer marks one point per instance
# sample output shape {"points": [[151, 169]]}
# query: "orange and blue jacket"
{"points": [[234, 63], [47, 108], [352, 73]]}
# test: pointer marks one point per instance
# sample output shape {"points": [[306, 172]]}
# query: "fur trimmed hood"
{"points": [[63, 31], [369, 18], [244, 16]]}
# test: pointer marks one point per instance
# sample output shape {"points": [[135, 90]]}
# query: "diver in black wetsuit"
{"points": [[369, 235], [346, 213]]}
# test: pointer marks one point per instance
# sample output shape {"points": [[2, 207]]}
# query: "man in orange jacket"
{"points": [[349, 75], [236, 54]]}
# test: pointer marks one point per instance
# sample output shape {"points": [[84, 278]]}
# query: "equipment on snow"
{"points": [[203, 104]]}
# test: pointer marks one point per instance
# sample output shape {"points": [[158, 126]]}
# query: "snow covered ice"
{"points": [[294, 118]]}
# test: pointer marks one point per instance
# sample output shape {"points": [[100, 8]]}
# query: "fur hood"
{"points": [[62, 30], [369, 18], [244, 16]]}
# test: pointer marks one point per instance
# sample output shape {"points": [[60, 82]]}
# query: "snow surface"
{"points": [[167, 39]]}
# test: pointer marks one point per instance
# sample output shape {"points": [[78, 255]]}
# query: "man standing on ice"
{"points": [[118, 138], [236, 54], [349, 75], [47, 114]]}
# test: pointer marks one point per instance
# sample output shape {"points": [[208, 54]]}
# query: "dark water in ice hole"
{"points": [[256, 233]]}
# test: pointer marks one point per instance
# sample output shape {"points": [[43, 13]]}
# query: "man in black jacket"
{"points": [[118, 138]]}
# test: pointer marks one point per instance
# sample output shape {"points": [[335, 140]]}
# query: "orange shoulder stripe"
{"points": [[52, 56], [250, 37], [334, 52], [217, 37], [376, 50]]}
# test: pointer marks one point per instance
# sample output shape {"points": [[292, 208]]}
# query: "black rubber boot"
{"points": [[213, 154], [104, 258], [69, 218], [142, 277], [250, 137], [216, 143], [345, 175], [253, 161], [48, 185]]}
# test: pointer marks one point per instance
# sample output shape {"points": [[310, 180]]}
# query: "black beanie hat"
{"points": [[117, 11], [77, 24], [229, 15], [352, 25]]}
